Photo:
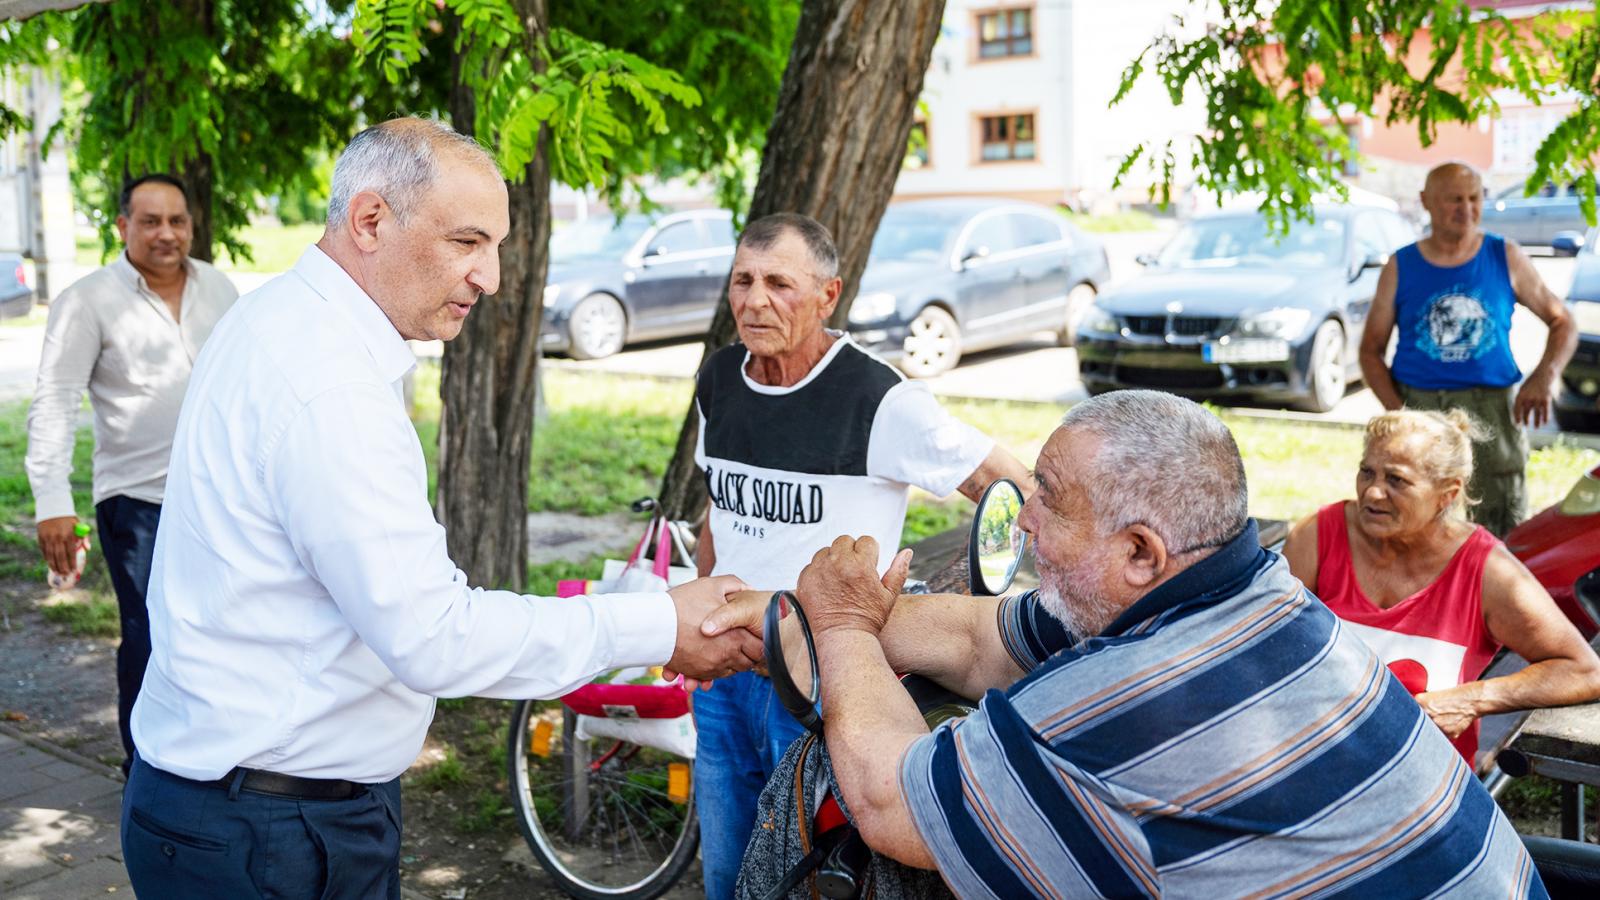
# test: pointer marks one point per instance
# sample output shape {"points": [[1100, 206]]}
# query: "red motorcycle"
{"points": [[1561, 547]]}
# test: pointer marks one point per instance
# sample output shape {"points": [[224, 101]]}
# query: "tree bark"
{"points": [[487, 389], [196, 176], [833, 152]]}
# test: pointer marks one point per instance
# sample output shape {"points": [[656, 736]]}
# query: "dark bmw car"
{"points": [[1229, 307], [16, 298], [1578, 404], [948, 276], [614, 282]]}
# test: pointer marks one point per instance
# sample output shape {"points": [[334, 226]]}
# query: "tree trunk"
{"points": [[487, 389], [833, 152], [196, 176]]}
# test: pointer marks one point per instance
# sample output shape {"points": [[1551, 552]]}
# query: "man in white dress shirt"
{"points": [[304, 611], [127, 333]]}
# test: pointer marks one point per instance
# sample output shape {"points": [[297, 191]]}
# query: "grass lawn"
{"points": [[606, 441], [274, 247]]}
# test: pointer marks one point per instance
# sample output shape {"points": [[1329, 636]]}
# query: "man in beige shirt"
{"points": [[129, 334]]}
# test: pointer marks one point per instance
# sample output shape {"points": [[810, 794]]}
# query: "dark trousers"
{"points": [[128, 542], [186, 840]]}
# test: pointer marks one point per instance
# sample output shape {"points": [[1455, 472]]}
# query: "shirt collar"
{"points": [[1217, 577], [124, 269], [329, 279]]}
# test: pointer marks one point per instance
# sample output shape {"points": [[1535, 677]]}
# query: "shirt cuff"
{"points": [[52, 505], [644, 627]]}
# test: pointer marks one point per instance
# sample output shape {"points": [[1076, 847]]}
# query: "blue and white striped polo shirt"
{"points": [[1224, 738]]}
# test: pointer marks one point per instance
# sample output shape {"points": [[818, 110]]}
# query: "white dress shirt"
{"points": [[110, 333], [303, 610]]}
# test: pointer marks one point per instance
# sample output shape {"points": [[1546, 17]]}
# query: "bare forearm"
{"points": [[1553, 682], [871, 722], [1376, 373], [1559, 346], [952, 639]]}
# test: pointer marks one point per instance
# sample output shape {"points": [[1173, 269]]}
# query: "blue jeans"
{"points": [[128, 542], [184, 840], [743, 731]]}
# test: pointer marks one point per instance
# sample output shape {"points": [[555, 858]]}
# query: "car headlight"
{"points": [[1097, 319], [1586, 313], [551, 292], [1285, 322], [873, 307]]}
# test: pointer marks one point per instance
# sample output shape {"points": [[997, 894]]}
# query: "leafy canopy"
{"points": [[1277, 76]]}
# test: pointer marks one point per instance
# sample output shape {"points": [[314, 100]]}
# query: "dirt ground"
{"points": [[460, 841]]}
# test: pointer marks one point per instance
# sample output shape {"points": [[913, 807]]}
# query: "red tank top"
{"points": [[1440, 626]]}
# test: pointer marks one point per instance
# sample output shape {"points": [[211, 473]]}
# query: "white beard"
{"points": [[1067, 596]]}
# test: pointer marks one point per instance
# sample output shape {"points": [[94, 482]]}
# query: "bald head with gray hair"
{"points": [[1165, 462], [398, 161]]}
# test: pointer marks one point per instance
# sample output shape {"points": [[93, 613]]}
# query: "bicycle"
{"points": [[605, 817]]}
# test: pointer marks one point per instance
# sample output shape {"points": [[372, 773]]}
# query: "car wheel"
{"points": [[1078, 302], [1568, 419], [932, 344], [597, 327], [1325, 377]]}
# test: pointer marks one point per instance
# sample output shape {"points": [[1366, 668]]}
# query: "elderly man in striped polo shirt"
{"points": [[1171, 713]]}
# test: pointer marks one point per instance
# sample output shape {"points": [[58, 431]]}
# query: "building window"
{"points": [[1005, 32], [1007, 138], [917, 156]]}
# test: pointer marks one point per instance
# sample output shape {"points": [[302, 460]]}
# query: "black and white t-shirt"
{"points": [[790, 469]]}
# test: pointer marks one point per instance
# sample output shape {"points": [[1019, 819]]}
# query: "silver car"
{"points": [[1534, 220]]}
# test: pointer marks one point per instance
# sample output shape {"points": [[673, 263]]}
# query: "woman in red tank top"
{"points": [[1419, 583]]}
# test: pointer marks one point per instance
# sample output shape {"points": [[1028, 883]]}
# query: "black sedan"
{"points": [[948, 276], [1230, 307], [614, 282], [16, 298], [1578, 404]]}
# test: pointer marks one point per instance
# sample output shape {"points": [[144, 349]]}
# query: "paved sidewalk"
{"points": [[58, 824]]}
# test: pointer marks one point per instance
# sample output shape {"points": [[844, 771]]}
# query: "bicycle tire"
{"points": [[581, 859]]}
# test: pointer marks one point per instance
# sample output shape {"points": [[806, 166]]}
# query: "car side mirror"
{"points": [[655, 251], [973, 255], [1566, 243], [1145, 259]]}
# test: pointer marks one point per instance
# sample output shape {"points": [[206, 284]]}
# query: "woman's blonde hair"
{"points": [[1450, 435]]}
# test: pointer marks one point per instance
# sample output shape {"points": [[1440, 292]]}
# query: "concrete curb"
{"points": [[77, 759]]}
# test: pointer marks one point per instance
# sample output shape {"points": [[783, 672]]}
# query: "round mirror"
{"points": [[997, 542], [792, 660]]}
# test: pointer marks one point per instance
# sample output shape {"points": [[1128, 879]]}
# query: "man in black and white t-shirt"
{"points": [[803, 437]]}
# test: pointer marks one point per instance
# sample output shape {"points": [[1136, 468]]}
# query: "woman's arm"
{"points": [[1519, 612]]}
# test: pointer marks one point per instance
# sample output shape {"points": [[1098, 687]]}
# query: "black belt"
{"points": [[291, 787]]}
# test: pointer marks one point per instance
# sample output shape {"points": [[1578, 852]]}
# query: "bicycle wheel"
{"points": [[606, 819]]}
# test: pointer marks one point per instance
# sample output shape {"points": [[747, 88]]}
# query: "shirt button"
{"points": [[169, 850]]}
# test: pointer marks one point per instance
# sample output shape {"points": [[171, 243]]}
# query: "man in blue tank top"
{"points": [[1451, 295]]}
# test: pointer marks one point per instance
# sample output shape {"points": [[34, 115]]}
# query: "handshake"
{"points": [[720, 618]]}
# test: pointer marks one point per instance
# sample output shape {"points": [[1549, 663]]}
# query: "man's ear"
{"points": [[122, 228], [1146, 561], [830, 294], [362, 218]]}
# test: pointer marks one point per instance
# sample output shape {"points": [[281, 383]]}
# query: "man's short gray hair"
{"points": [[765, 231], [398, 161], [1163, 461]]}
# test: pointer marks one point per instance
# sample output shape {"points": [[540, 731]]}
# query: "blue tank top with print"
{"points": [[1455, 322]]}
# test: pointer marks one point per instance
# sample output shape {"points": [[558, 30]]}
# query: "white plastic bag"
{"points": [[675, 736]]}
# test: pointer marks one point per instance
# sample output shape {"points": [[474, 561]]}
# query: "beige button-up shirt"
{"points": [[110, 333]]}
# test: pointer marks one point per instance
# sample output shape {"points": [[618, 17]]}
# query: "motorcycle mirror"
{"points": [[997, 543], [792, 660]]}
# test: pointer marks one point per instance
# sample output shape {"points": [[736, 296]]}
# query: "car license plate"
{"points": [[1249, 350]]}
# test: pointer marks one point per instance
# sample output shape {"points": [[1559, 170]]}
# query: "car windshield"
{"points": [[913, 237], [601, 237], [1247, 241]]}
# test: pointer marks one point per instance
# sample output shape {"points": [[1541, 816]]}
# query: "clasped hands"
{"points": [[839, 591]]}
